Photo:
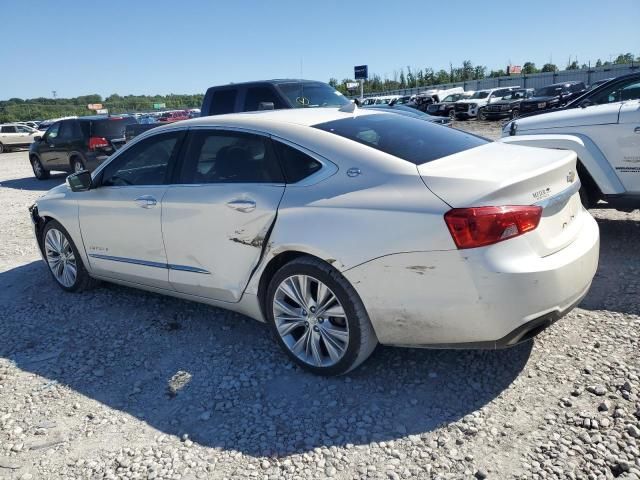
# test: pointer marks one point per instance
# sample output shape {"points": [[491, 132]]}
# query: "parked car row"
{"points": [[509, 102]]}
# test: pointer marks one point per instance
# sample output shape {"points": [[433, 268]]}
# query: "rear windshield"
{"points": [[312, 94], [410, 139], [107, 128]]}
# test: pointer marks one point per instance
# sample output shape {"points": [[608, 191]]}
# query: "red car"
{"points": [[170, 117]]}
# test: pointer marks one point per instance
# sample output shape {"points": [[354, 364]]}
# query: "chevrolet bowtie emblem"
{"points": [[571, 177]]}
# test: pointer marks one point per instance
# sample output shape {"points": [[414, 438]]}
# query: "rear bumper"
{"points": [[478, 298]]}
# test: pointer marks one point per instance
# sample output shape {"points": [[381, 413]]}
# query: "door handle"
{"points": [[146, 201], [636, 130], [244, 206]]}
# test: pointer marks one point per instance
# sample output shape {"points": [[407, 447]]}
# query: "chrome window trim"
{"points": [[327, 170], [560, 197]]}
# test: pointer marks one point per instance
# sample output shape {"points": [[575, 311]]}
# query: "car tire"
{"points": [[38, 169], [77, 165], [481, 114], [63, 259], [515, 113], [452, 114], [2, 148], [343, 338]]}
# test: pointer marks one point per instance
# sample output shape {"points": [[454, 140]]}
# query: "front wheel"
{"points": [[515, 113], [318, 318], [481, 114], [452, 114], [63, 259], [2, 148], [38, 169]]}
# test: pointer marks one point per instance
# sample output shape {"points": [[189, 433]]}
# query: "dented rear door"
{"points": [[217, 217]]}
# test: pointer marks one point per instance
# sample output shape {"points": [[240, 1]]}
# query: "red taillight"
{"points": [[480, 226], [98, 142]]}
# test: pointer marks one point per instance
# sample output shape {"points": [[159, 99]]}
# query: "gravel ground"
{"points": [[119, 383]]}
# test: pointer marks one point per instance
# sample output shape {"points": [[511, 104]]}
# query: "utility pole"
{"points": [[54, 93]]}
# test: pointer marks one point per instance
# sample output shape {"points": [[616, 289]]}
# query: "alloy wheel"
{"points": [[60, 257], [311, 321], [37, 167], [78, 166]]}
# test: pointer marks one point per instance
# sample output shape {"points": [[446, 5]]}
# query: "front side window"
{"points": [[618, 92], [52, 132], [216, 156], [410, 139], [479, 95], [145, 163], [24, 129], [223, 101]]}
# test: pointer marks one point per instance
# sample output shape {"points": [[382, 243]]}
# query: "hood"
{"points": [[475, 100], [570, 117]]}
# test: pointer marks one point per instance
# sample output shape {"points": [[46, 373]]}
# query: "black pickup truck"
{"points": [[552, 96], [270, 95], [509, 106]]}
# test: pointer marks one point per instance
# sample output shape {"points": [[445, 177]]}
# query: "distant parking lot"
{"points": [[120, 383]]}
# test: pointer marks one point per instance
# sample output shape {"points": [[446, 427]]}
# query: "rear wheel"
{"points": [[63, 259], [515, 113], [452, 114], [38, 169], [318, 318]]}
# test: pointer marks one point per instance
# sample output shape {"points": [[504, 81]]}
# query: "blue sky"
{"points": [[79, 47]]}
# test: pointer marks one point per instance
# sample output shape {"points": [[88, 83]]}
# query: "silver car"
{"points": [[341, 229]]}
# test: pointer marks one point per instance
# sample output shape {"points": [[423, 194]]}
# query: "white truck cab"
{"points": [[472, 106]]}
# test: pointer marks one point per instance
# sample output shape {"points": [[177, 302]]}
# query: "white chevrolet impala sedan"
{"points": [[341, 229]]}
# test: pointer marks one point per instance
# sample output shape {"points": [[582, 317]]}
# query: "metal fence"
{"points": [[535, 80]]}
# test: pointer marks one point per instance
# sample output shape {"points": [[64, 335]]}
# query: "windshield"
{"points": [[405, 137], [312, 94], [551, 91], [479, 95]]}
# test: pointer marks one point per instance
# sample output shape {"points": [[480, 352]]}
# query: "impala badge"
{"points": [[571, 177]]}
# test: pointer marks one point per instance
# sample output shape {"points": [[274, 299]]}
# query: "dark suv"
{"points": [[77, 144], [270, 95], [508, 106], [552, 96]]}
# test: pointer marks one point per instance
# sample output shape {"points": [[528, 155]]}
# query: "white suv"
{"points": [[606, 138], [16, 135], [474, 105]]}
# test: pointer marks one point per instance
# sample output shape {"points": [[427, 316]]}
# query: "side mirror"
{"points": [[266, 106], [79, 182], [37, 138]]}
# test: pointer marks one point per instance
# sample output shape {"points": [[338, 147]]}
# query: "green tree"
{"points": [[549, 67], [528, 68]]}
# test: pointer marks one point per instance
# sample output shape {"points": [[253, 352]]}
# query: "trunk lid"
{"points": [[497, 175]]}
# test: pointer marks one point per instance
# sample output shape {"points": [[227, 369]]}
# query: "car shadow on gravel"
{"points": [[218, 377], [616, 286], [32, 183]]}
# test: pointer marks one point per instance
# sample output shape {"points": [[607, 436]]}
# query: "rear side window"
{"points": [[410, 139], [9, 129], [223, 101], [257, 95], [229, 157], [107, 128], [296, 165]]}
